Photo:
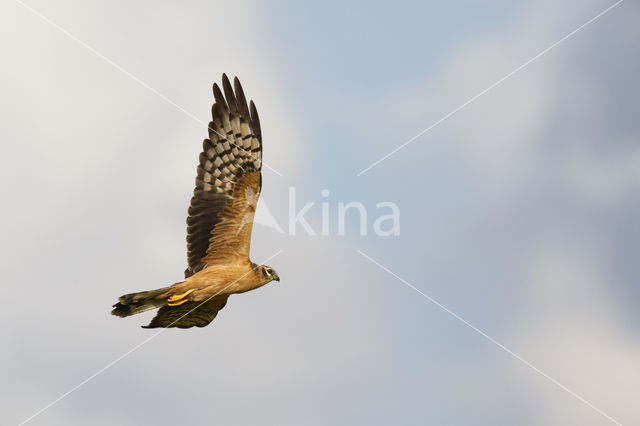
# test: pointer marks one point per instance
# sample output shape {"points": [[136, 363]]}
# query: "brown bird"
{"points": [[219, 222]]}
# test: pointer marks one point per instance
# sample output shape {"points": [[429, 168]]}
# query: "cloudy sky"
{"points": [[518, 230]]}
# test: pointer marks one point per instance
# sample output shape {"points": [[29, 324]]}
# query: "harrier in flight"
{"points": [[219, 222]]}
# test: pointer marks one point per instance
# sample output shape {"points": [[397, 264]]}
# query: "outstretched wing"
{"points": [[229, 174], [189, 314]]}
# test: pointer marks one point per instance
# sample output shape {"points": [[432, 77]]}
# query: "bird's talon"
{"points": [[179, 299]]}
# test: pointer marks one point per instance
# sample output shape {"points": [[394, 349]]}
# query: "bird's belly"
{"points": [[211, 282]]}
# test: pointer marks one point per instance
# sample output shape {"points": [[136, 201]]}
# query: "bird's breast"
{"points": [[223, 279]]}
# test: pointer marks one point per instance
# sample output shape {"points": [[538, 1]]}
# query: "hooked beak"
{"points": [[276, 278]]}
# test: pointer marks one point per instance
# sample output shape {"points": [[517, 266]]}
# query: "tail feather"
{"points": [[134, 303]]}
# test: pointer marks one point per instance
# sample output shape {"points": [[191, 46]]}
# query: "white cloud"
{"points": [[575, 334]]}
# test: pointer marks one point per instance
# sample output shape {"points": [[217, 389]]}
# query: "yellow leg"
{"points": [[179, 299]]}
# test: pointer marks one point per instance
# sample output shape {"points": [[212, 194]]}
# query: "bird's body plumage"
{"points": [[219, 223]]}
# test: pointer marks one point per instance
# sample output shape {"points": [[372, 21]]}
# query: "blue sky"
{"points": [[518, 213]]}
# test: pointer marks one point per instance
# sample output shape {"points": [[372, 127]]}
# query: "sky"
{"points": [[509, 296]]}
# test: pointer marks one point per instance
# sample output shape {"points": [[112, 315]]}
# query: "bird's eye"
{"points": [[268, 272]]}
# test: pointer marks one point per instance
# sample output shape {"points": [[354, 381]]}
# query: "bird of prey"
{"points": [[219, 222]]}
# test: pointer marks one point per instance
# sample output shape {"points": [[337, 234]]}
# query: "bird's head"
{"points": [[268, 274]]}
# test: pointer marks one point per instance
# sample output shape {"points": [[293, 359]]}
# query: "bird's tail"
{"points": [[134, 303]]}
